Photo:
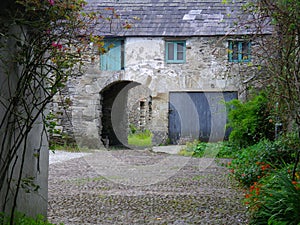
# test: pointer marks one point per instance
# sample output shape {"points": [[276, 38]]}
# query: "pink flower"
{"points": [[51, 2], [57, 45], [54, 44]]}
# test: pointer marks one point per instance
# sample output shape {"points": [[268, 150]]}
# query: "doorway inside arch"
{"points": [[123, 104], [140, 116]]}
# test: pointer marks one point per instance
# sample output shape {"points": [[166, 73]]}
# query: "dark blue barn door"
{"points": [[198, 115]]}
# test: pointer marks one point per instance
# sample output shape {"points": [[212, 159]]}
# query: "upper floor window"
{"points": [[239, 51], [175, 51], [113, 58]]}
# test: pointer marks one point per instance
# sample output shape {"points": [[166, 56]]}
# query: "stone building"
{"points": [[188, 56]]}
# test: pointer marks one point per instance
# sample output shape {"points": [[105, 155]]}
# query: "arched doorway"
{"points": [[115, 110]]}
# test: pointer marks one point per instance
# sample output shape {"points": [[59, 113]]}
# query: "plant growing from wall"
{"points": [[42, 44]]}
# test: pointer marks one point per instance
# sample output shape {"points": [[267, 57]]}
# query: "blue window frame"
{"points": [[175, 51], [113, 57], [239, 51]]}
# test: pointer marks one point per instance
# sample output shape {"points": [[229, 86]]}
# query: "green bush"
{"points": [[22, 219], [203, 149], [275, 200], [250, 121], [189, 148], [227, 150], [254, 162], [215, 149], [199, 149], [265, 169]]}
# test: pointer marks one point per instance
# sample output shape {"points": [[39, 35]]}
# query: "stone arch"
{"points": [[88, 93], [114, 112]]}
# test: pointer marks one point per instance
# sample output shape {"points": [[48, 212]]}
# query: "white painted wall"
{"points": [[32, 203]]}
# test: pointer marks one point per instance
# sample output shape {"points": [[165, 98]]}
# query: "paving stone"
{"points": [[78, 194]]}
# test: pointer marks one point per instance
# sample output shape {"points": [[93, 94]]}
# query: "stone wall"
{"points": [[140, 107], [206, 69]]}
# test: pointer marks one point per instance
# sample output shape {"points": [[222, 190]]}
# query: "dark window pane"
{"points": [[122, 55], [180, 47], [245, 50], [235, 50], [170, 51], [179, 55]]}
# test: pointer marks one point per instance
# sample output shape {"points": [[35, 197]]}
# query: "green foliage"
{"points": [[144, 134], [199, 149], [280, 72], [28, 184], [250, 121], [22, 219], [275, 200], [66, 147], [50, 124], [132, 128], [226, 150], [203, 149], [191, 147], [258, 160], [265, 169], [140, 138]]}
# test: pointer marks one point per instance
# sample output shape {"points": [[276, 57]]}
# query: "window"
{"points": [[175, 51], [239, 51], [113, 59]]}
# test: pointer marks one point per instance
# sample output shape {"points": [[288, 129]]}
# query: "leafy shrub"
{"points": [[203, 149], [199, 149], [189, 148], [217, 149], [227, 150], [275, 200], [22, 219], [250, 121], [266, 170], [254, 162]]}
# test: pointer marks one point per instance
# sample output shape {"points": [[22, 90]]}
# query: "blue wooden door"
{"points": [[198, 115]]}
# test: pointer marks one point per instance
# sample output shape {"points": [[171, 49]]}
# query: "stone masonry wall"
{"points": [[206, 69], [140, 107]]}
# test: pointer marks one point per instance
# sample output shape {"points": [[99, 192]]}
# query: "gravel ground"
{"points": [[61, 156], [84, 192]]}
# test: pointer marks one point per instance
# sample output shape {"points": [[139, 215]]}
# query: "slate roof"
{"points": [[171, 17]]}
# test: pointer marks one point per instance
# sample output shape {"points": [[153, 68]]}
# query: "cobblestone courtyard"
{"points": [[79, 194]]}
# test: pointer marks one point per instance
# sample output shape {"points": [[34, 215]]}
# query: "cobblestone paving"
{"points": [[78, 194]]}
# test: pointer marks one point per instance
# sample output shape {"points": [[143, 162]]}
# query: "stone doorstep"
{"points": [[170, 149]]}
